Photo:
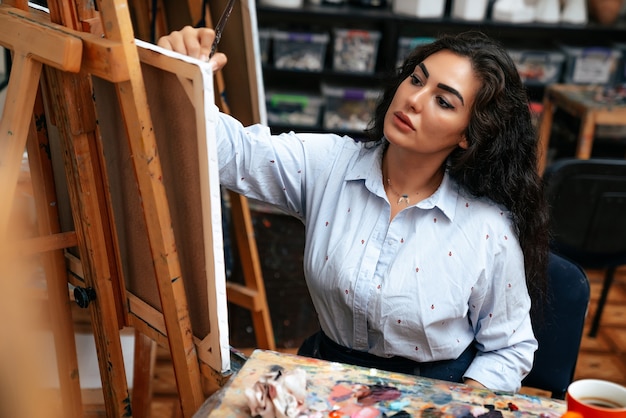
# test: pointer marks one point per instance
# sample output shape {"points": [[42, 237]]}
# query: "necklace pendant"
{"points": [[404, 198]]}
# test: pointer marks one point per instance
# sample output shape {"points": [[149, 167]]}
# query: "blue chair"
{"points": [[587, 201], [559, 331]]}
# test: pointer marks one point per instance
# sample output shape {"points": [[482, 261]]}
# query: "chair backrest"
{"points": [[559, 331], [587, 201]]}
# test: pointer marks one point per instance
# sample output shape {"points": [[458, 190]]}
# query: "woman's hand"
{"points": [[194, 42], [473, 383]]}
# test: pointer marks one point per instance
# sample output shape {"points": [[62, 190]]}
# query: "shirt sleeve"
{"points": [[251, 164], [500, 316], [272, 168]]}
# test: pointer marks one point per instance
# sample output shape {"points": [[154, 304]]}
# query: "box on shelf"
{"points": [[348, 109], [590, 65], [407, 44], [294, 109], [538, 67], [355, 50], [419, 8], [473, 10], [265, 40], [299, 50]]}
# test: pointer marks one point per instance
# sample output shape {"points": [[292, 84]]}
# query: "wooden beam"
{"points": [[47, 43], [14, 127], [244, 297], [64, 48], [45, 243]]}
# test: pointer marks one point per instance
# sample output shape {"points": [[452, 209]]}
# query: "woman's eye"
{"points": [[416, 81], [443, 103]]}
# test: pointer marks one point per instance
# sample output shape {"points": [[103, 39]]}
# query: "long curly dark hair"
{"points": [[501, 160]]}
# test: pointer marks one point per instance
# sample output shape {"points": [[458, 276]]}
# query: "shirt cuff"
{"points": [[494, 375]]}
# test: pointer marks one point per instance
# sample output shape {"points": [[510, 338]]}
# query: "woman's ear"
{"points": [[463, 143]]}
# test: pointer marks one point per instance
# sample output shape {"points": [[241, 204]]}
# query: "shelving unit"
{"points": [[392, 26]]}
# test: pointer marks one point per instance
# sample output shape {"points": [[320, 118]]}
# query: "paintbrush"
{"points": [[220, 26]]}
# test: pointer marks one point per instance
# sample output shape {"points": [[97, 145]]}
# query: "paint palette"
{"points": [[338, 390]]}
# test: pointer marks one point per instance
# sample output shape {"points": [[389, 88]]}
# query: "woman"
{"points": [[424, 245]]}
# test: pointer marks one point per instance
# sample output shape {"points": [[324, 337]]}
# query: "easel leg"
{"points": [[54, 264], [145, 359], [21, 92], [85, 188]]}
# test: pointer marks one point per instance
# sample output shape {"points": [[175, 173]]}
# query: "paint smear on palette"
{"points": [[357, 400], [366, 401]]}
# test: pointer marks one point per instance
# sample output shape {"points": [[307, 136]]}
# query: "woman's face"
{"points": [[430, 111]]}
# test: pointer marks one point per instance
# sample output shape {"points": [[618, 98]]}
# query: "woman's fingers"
{"points": [[194, 42], [205, 38], [218, 60], [173, 42]]}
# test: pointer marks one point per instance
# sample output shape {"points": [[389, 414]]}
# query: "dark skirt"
{"points": [[320, 346]]}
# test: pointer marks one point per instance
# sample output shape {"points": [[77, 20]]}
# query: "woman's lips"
{"points": [[402, 118]]}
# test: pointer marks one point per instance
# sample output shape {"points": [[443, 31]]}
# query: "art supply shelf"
{"points": [[394, 30]]}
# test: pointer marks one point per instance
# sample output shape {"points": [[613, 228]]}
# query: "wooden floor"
{"points": [[603, 357]]}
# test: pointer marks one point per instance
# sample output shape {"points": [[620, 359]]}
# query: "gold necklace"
{"points": [[401, 197]]}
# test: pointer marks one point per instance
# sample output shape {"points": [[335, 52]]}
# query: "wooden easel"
{"points": [[71, 57], [34, 43], [173, 15]]}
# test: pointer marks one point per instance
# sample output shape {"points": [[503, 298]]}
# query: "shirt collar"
{"points": [[445, 197], [367, 167]]}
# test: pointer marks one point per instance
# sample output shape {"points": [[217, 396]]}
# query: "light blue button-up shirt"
{"points": [[442, 274]]}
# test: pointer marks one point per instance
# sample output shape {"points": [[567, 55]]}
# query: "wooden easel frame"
{"points": [[242, 76], [243, 73], [177, 89], [74, 57], [16, 126]]}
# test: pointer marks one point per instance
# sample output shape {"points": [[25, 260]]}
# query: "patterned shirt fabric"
{"points": [[444, 273]]}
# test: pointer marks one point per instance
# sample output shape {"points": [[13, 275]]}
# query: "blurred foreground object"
{"points": [[21, 388]]}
